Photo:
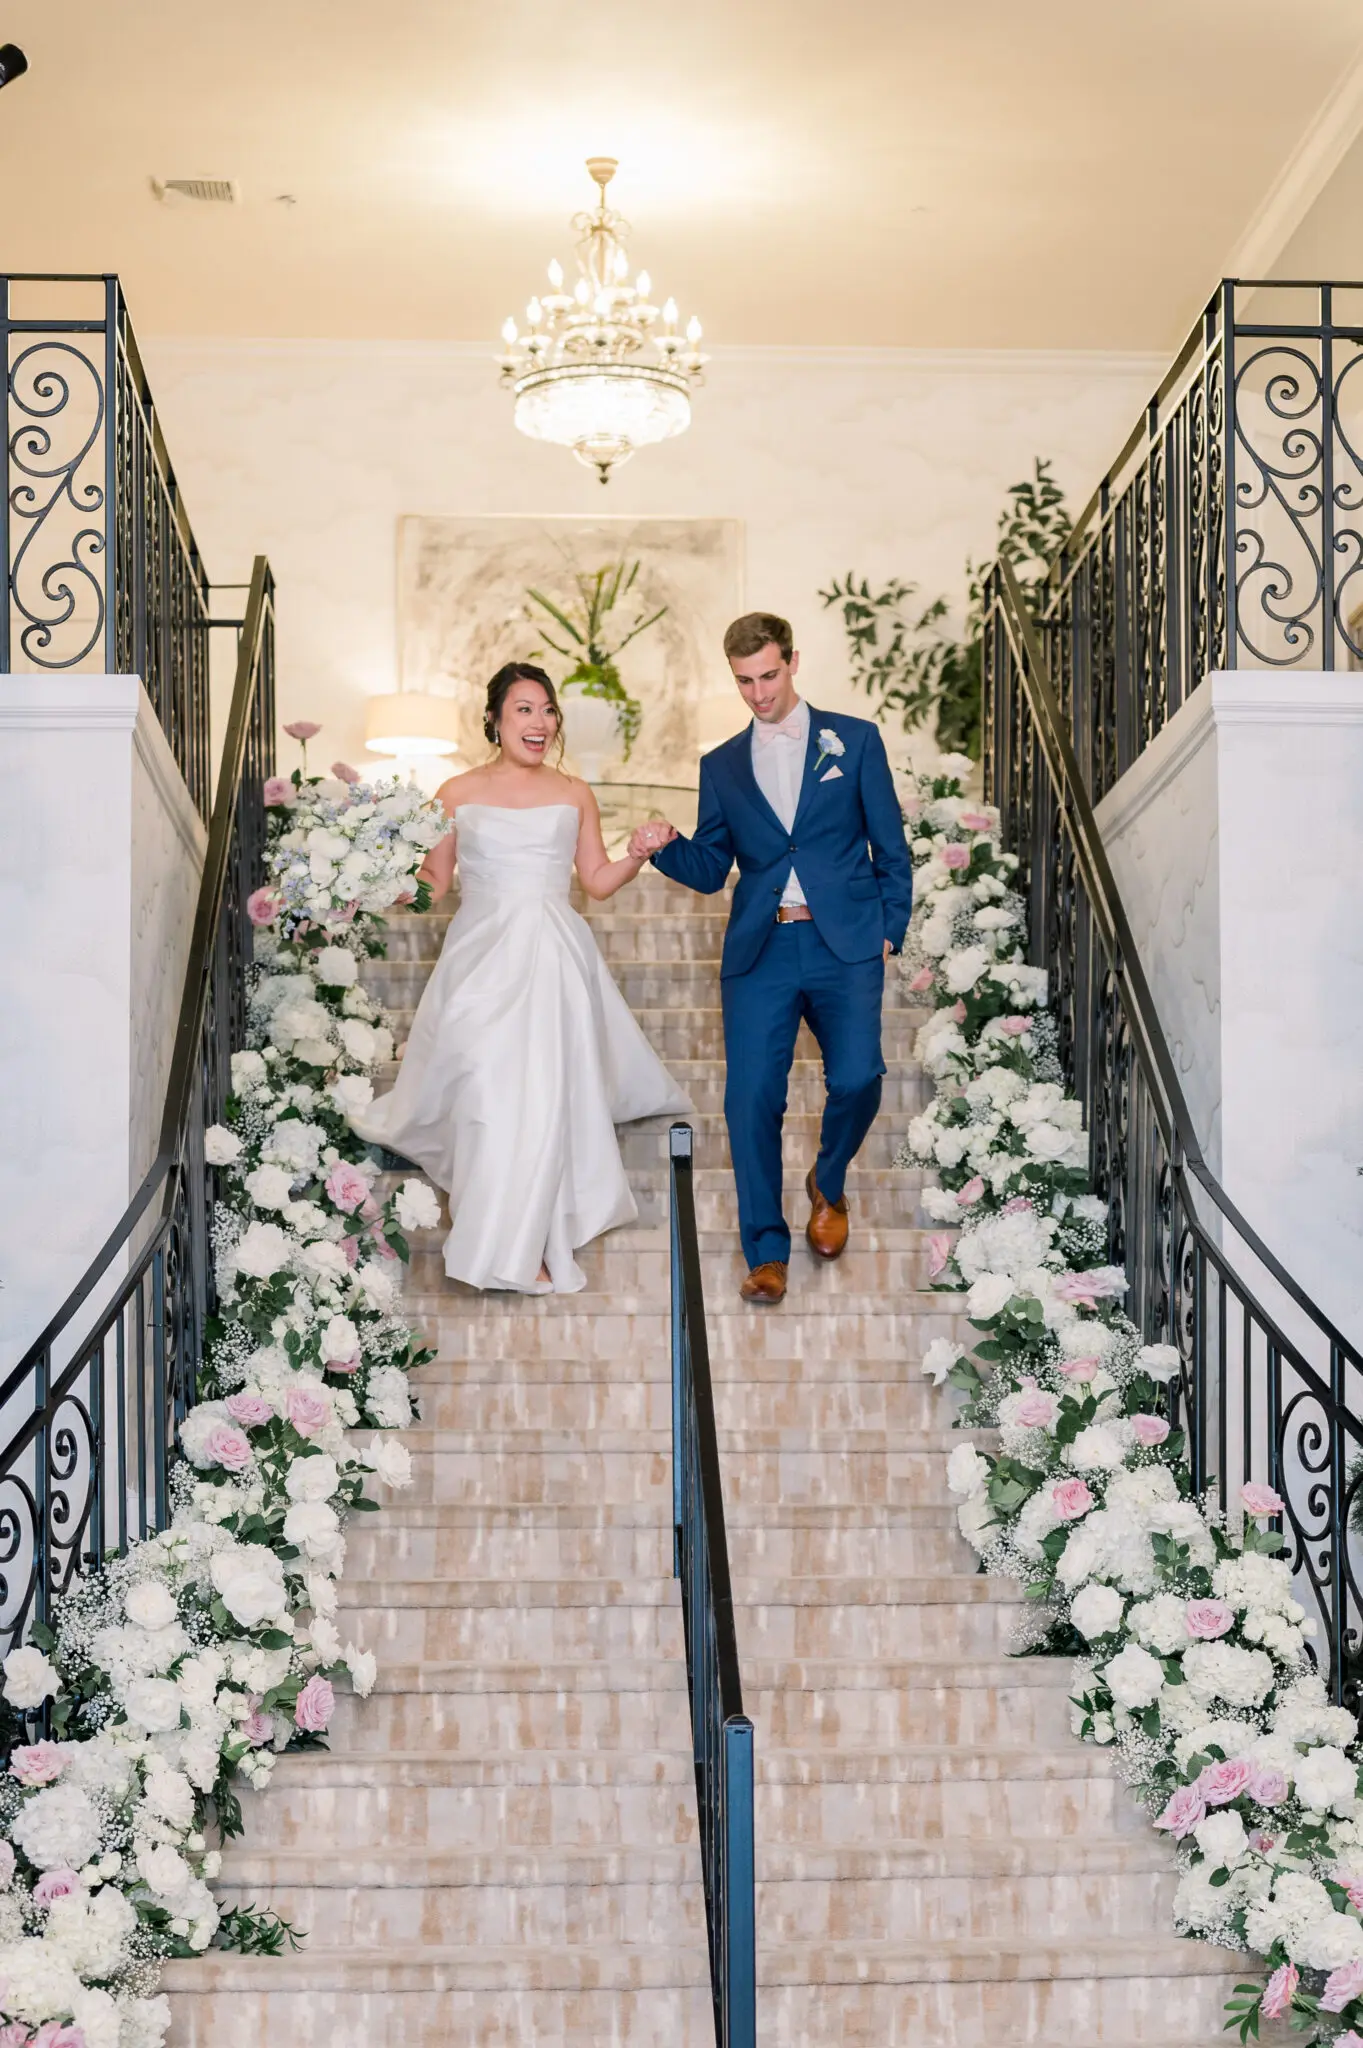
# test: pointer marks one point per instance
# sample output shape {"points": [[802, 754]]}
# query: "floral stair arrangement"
{"points": [[186, 1665], [1194, 1666]]}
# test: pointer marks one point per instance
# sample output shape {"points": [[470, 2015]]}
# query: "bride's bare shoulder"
{"points": [[462, 789]]}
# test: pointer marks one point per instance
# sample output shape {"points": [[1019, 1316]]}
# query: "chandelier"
{"points": [[600, 369]]}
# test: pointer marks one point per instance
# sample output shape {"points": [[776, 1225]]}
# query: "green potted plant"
{"points": [[593, 645]]}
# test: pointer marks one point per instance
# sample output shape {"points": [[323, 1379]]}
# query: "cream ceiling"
{"points": [[1069, 173]]}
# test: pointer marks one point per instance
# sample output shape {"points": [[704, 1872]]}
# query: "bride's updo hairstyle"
{"points": [[500, 688]]}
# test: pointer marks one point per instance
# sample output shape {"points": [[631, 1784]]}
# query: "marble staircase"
{"points": [[501, 1845]]}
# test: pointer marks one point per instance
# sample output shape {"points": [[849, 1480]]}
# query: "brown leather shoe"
{"points": [[766, 1283], [827, 1225]]}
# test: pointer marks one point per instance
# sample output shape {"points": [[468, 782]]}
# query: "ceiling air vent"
{"points": [[196, 191]]}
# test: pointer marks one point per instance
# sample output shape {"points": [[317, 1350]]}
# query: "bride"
{"points": [[523, 1055]]}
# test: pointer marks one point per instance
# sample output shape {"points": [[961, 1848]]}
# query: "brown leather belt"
{"points": [[795, 913]]}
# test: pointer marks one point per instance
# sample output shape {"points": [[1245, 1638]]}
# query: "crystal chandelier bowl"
{"points": [[601, 369]]}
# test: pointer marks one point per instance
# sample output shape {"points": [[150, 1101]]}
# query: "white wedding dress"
{"points": [[522, 1058]]}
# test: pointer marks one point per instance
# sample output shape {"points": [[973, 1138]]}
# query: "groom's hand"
{"points": [[888, 950]]}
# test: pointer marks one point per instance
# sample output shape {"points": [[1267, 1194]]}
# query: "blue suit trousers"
{"points": [[796, 976]]}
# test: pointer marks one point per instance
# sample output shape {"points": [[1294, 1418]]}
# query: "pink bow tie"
{"points": [[786, 729]]}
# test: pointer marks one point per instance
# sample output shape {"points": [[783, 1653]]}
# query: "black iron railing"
{"points": [[721, 1733], [1268, 1388], [1228, 534], [102, 571], [89, 1414]]}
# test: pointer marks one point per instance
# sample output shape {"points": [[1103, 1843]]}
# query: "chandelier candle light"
{"points": [[601, 369]]}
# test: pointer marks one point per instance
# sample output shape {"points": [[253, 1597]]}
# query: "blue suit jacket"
{"points": [[847, 842]]}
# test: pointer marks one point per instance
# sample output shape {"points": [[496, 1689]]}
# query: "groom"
{"points": [[804, 802]]}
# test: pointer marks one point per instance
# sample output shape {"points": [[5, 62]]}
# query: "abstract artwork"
{"points": [[462, 611]]}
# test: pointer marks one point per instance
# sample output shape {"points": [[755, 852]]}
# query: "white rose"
{"points": [[153, 1705], [263, 1251], [1221, 1838], [248, 1072], [312, 1527], [967, 1471], [270, 1187], [351, 1093], [1045, 1142], [363, 1667], [358, 1040], [340, 1340], [164, 1871], [940, 1356], [170, 1794], [312, 1478], [29, 1678], [250, 1580], [417, 1206], [221, 1146], [58, 1827], [1096, 1610], [1326, 1780], [151, 1605], [321, 1593], [989, 1296], [388, 1461], [962, 970], [1096, 1449], [321, 1260], [1134, 1678], [335, 968]]}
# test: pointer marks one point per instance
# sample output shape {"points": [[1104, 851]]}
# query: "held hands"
{"points": [[646, 840]]}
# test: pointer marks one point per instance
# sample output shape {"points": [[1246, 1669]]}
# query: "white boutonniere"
{"points": [[829, 746]]}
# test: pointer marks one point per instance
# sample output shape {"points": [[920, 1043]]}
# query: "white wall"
{"points": [[1237, 843], [888, 462], [103, 851]]}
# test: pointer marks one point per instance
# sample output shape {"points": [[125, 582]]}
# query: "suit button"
{"points": [[795, 849]]}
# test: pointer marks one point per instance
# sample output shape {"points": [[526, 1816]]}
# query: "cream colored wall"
{"points": [[885, 462]]}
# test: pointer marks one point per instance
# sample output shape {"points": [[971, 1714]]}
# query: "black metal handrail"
{"points": [[90, 1411], [1228, 534], [721, 1733], [100, 562], [1267, 1386]]}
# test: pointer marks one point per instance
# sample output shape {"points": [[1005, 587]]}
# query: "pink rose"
{"points": [[976, 821], [1220, 1783], [347, 1187], [250, 1410], [1354, 1887], [15, 2034], [58, 2034], [955, 856], [262, 906], [1036, 1410], [1071, 1499], [1074, 1287], [971, 1192], [939, 1251], [316, 1704], [1260, 1500], [922, 981], [1342, 1986], [1349, 2040], [1016, 1206], [343, 772], [1014, 1027], [351, 1247], [226, 1446], [1185, 1811], [36, 1763], [277, 790], [258, 1728], [342, 1365], [1278, 1992], [1268, 1788], [1149, 1430], [302, 729], [1205, 1620], [55, 1884], [308, 1412], [1081, 1369], [957, 1011], [1261, 1843]]}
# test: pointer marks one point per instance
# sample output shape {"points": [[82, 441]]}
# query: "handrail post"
{"points": [[740, 1892], [680, 1143]]}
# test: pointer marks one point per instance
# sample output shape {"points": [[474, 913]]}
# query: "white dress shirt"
{"points": [[778, 762]]}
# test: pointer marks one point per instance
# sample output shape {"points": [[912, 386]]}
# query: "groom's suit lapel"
{"points": [[746, 779], [811, 780]]}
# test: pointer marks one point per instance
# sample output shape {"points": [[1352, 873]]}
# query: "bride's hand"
{"points": [[646, 840]]}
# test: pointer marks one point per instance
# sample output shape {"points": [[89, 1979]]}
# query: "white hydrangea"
{"points": [[1327, 1782], [58, 1828], [1097, 1611], [1134, 1678], [1161, 1624], [1221, 1671]]}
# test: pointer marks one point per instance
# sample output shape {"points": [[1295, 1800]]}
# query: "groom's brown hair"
{"points": [[756, 630]]}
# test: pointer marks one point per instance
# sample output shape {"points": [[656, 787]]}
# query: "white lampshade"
{"points": [[411, 722]]}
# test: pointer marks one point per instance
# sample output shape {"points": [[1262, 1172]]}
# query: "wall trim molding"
{"points": [[67, 703], [1325, 142]]}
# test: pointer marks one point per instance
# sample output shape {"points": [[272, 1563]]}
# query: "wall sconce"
{"points": [[411, 722]]}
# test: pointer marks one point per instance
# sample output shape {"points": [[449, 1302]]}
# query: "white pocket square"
{"points": [[832, 775]]}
